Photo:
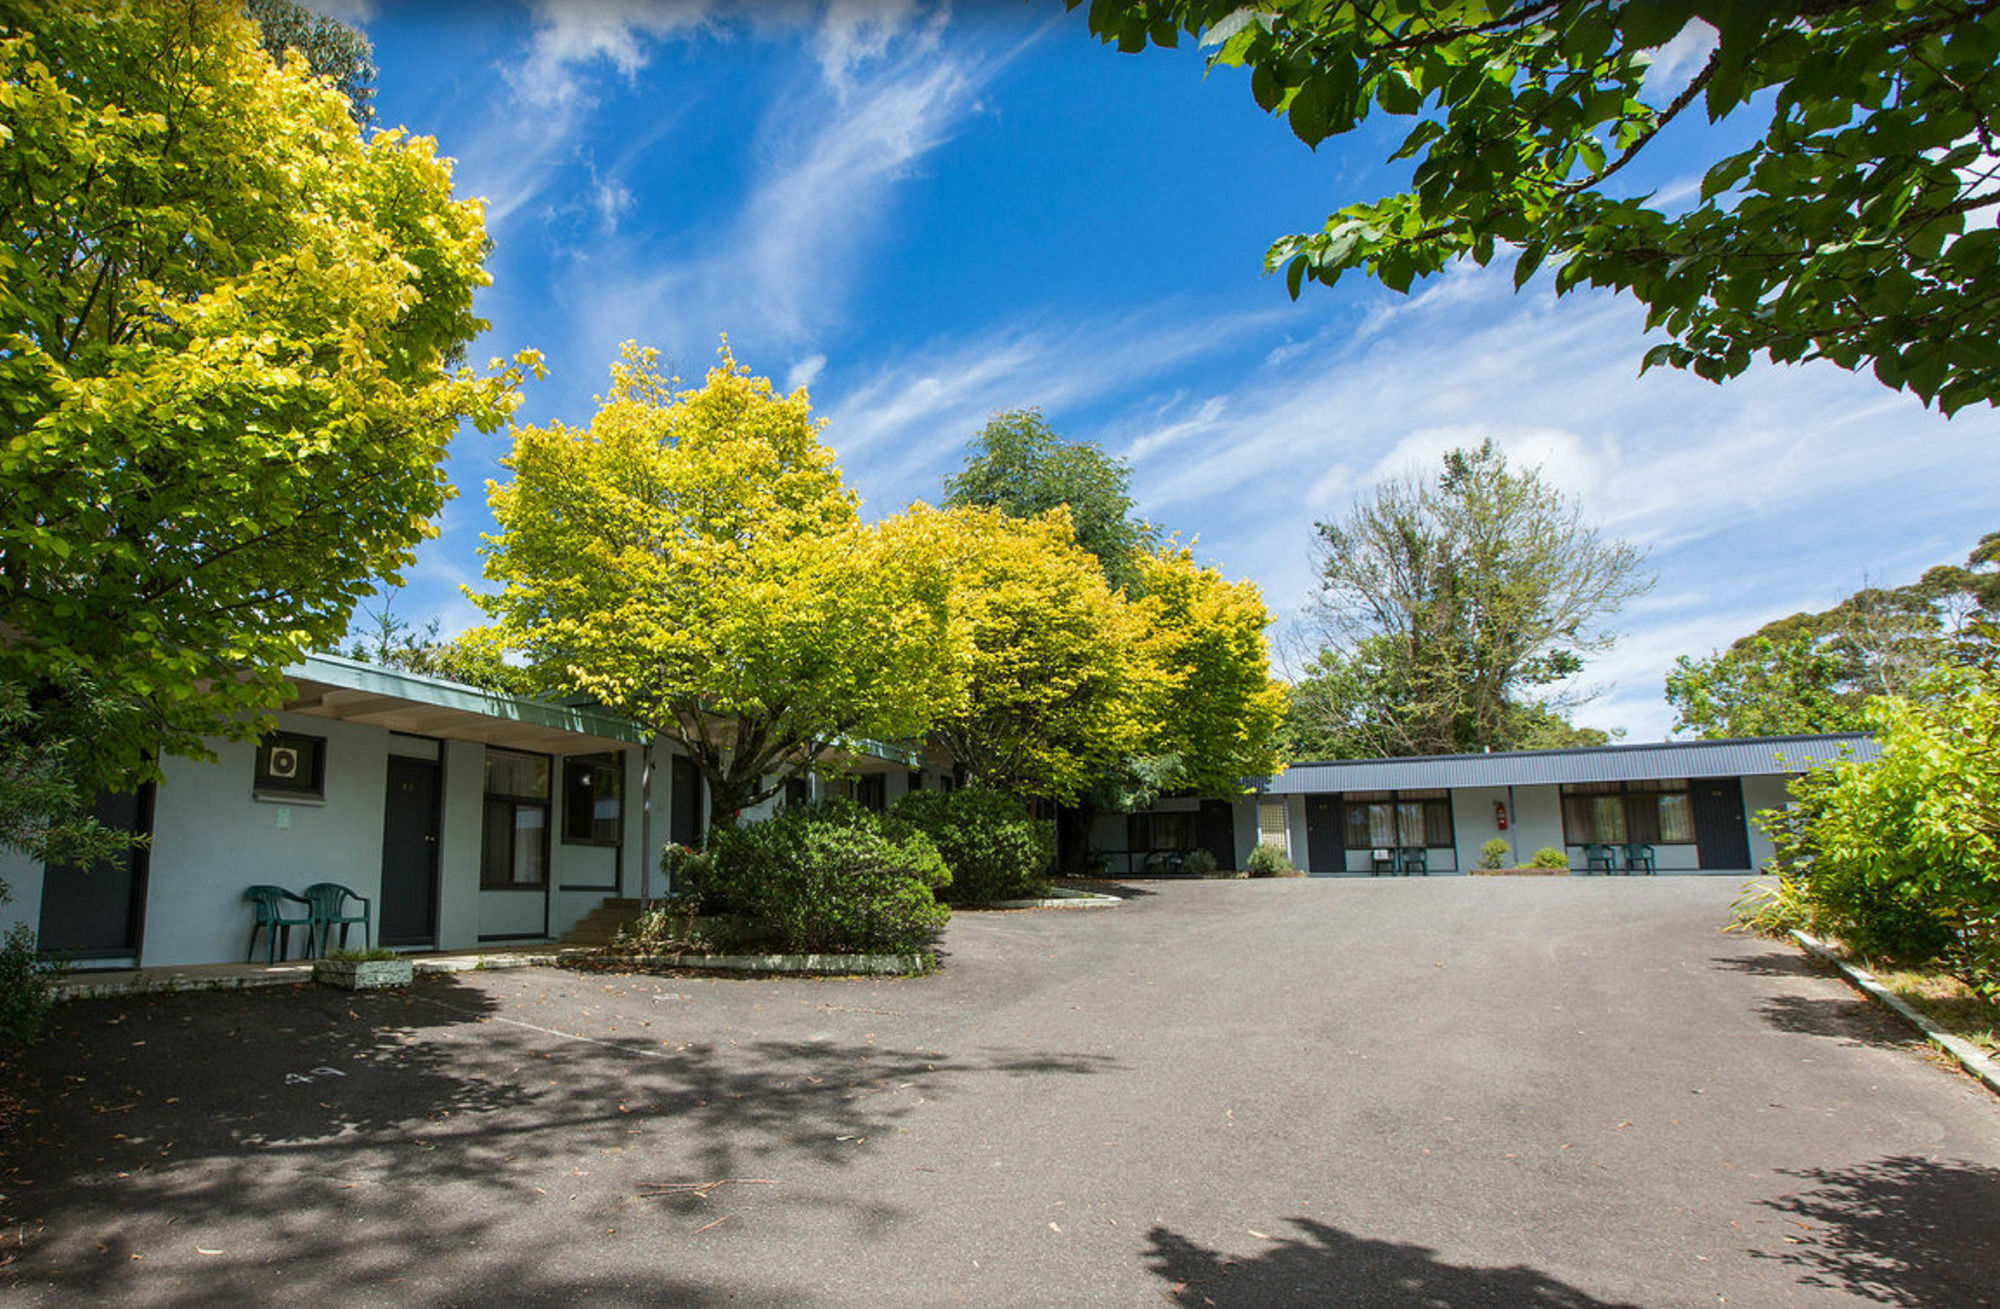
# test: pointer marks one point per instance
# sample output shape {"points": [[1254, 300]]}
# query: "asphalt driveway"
{"points": [[1552, 1092]]}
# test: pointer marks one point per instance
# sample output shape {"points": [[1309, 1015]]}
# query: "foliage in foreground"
{"points": [[230, 368], [1494, 853], [1839, 232], [1549, 856], [1897, 855], [25, 999], [993, 848], [824, 878]]}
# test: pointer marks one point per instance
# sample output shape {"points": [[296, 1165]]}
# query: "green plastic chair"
{"points": [[1639, 858], [269, 902], [1413, 859], [329, 904], [1599, 858]]}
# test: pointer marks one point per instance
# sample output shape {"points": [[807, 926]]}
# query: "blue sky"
{"points": [[926, 215]]}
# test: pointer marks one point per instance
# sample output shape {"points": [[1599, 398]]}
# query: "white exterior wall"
{"points": [[1473, 825], [1763, 793], [212, 838]]}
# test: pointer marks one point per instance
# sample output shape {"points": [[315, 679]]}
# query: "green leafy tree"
{"points": [[224, 392], [333, 51], [1449, 610], [1050, 686], [693, 560], [1840, 233], [1221, 709], [1020, 466], [1901, 854], [1814, 672]]}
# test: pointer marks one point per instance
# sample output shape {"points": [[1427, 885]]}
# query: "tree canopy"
{"points": [[1218, 721], [1450, 609], [693, 560], [1019, 465], [1814, 672], [1847, 230], [333, 51], [1050, 683], [224, 387]]}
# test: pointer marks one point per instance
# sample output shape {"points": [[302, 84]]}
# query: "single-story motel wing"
{"points": [[466, 817], [1691, 805], [470, 818]]}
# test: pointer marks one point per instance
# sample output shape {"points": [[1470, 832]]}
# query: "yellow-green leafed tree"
{"points": [[693, 560], [1205, 637], [1050, 688], [229, 332]]}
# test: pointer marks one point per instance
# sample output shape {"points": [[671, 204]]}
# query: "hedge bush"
{"points": [[994, 849], [1901, 855], [824, 878], [1268, 860], [1550, 856], [1494, 853]]}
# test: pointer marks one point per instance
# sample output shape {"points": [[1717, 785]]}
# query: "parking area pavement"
{"points": [[1554, 1092]]}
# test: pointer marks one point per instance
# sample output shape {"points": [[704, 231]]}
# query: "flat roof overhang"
{"points": [[348, 691]]}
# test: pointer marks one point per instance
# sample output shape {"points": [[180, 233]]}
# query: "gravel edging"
{"points": [[1060, 900], [867, 965], [1970, 1057]]}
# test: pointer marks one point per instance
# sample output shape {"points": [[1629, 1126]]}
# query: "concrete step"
{"points": [[601, 925]]}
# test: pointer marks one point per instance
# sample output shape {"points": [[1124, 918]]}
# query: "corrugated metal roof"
{"points": [[1750, 757]]}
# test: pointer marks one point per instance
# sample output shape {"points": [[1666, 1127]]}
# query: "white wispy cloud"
{"points": [[903, 425], [1756, 498], [572, 35]]}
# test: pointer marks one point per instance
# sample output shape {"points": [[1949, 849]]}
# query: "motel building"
{"points": [[465, 818], [1664, 807]]}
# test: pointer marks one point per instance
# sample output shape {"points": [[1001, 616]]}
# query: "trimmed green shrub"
{"points": [[24, 989], [1494, 853], [1200, 863], [1550, 856], [993, 847], [1268, 860], [825, 878]]}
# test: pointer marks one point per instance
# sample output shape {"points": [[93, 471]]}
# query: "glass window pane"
{"points": [[524, 775], [1358, 837], [1607, 817], [1642, 817], [1381, 826], [1437, 823], [1676, 818], [1409, 822], [497, 851], [530, 844]]}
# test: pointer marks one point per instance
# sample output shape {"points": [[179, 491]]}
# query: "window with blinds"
{"points": [[1656, 812], [1381, 820]]}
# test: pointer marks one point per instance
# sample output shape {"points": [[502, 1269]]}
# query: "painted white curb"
{"points": [[1970, 1057]]}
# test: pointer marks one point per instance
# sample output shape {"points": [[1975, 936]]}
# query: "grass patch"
{"points": [[1942, 998]]}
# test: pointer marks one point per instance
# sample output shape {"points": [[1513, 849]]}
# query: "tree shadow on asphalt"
{"points": [[1843, 1016], [180, 1149], [1327, 1266], [1901, 1230]]}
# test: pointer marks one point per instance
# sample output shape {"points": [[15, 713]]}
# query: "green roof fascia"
{"points": [[354, 675], [903, 753]]}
